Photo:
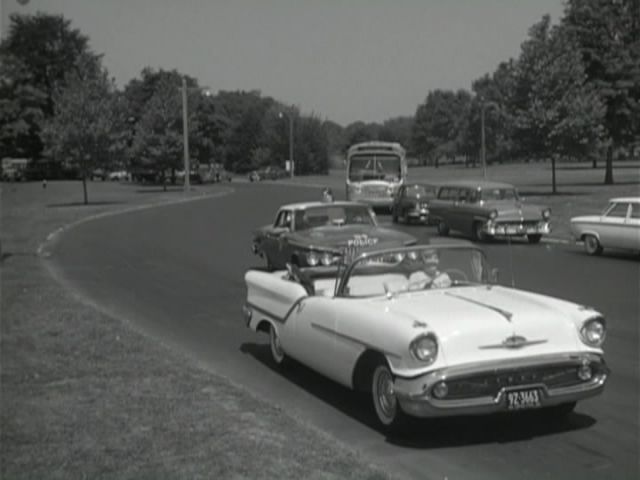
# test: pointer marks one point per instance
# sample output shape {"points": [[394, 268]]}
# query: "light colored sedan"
{"points": [[618, 226]]}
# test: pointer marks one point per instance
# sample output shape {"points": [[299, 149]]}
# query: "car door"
{"points": [[311, 335], [631, 238], [612, 228], [400, 201], [274, 241], [441, 206], [459, 216]]}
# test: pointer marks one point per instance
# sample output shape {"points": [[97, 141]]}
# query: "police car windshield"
{"points": [[333, 215]]}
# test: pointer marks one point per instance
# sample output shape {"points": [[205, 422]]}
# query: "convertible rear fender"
{"points": [[271, 296]]}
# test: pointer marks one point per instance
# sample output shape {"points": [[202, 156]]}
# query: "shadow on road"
{"points": [[421, 433]]}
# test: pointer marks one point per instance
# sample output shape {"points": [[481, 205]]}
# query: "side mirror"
{"points": [[494, 274]]}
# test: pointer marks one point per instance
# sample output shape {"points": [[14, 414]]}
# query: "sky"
{"points": [[342, 60]]}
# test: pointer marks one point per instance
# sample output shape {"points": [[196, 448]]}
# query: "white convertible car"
{"points": [[426, 331]]}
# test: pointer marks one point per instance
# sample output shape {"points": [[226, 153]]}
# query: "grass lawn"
{"points": [[84, 396]]}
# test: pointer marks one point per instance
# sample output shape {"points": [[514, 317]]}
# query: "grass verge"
{"points": [[83, 396]]}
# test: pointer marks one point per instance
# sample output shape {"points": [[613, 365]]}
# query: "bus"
{"points": [[375, 171]]}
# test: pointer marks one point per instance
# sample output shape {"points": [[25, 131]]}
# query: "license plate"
{"points": [[522, 399]]}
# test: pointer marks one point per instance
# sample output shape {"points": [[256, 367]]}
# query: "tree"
{"points": [[608, 38], [440, 123], [496, 92], [558, 112], [399, 130], [36, 56], [158, 142], [85, 120]]}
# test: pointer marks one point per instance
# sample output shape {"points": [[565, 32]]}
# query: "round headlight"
{"points": [[425, 348], [493, 214], [546, 213], [326, 259], [312, 259], [593, 332]]}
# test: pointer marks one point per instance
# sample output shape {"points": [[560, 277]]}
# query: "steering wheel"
{"points": [[456, 275]]}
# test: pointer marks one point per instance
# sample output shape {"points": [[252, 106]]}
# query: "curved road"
{"points": [[176, 273]]}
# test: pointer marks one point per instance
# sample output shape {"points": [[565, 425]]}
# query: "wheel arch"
{"points": [[363, 370], [589, 232], [264, 324]]}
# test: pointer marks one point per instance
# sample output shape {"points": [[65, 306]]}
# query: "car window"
{"points": [[618, 210], [464, 195], [284, 219], [635, 210], [448, 193], [499, 194]]}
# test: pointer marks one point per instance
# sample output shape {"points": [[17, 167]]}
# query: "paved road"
{"points": [[176, 273]]}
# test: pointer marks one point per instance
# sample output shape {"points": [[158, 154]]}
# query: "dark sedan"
{"points": [[484, 209], [318, 233], [411, 202]]}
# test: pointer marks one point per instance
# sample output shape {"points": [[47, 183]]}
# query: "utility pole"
{"points": [[289, 116], [185, 136]]}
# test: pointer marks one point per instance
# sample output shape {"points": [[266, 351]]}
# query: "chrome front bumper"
{"points": [[516, 228], [416, 398]]}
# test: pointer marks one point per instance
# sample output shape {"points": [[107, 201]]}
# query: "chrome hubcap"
{"points": [[385, 396]]}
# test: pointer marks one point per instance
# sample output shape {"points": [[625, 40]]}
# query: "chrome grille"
{"points": [[374, 191], [490, 383]]}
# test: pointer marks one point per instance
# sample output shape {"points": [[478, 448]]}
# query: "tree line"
{"points": [[573, 92]]}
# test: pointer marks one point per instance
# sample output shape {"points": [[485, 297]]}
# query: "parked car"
{"points": [[484, 209], [267, 173], [98, 174], [317, 233], [411, 202], [618, 226], [14, 169], [463, 347], [118, 176]]}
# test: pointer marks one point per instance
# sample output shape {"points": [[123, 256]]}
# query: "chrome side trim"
{"points": [[353, 340]]}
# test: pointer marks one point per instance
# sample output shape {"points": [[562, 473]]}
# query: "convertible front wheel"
{"points": [[276, 348], [385, 402]]}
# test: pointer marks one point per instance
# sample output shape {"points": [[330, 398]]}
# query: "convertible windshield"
{"points": [[374, 167], [336, 215], [491, 194], [413, 269]]}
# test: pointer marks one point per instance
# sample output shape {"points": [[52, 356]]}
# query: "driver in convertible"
{"points": [[429, 276]]}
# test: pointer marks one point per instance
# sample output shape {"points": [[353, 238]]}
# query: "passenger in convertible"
{"points": [[428, 275]]}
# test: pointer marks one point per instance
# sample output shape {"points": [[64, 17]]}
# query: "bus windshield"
{"points": [[374, 167]]}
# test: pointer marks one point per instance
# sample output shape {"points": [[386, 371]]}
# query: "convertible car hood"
{"points": [[351, 235], [508, 211], [480, 323]]}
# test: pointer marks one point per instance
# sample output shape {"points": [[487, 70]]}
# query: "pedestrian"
{"points": [[44, 183]]}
